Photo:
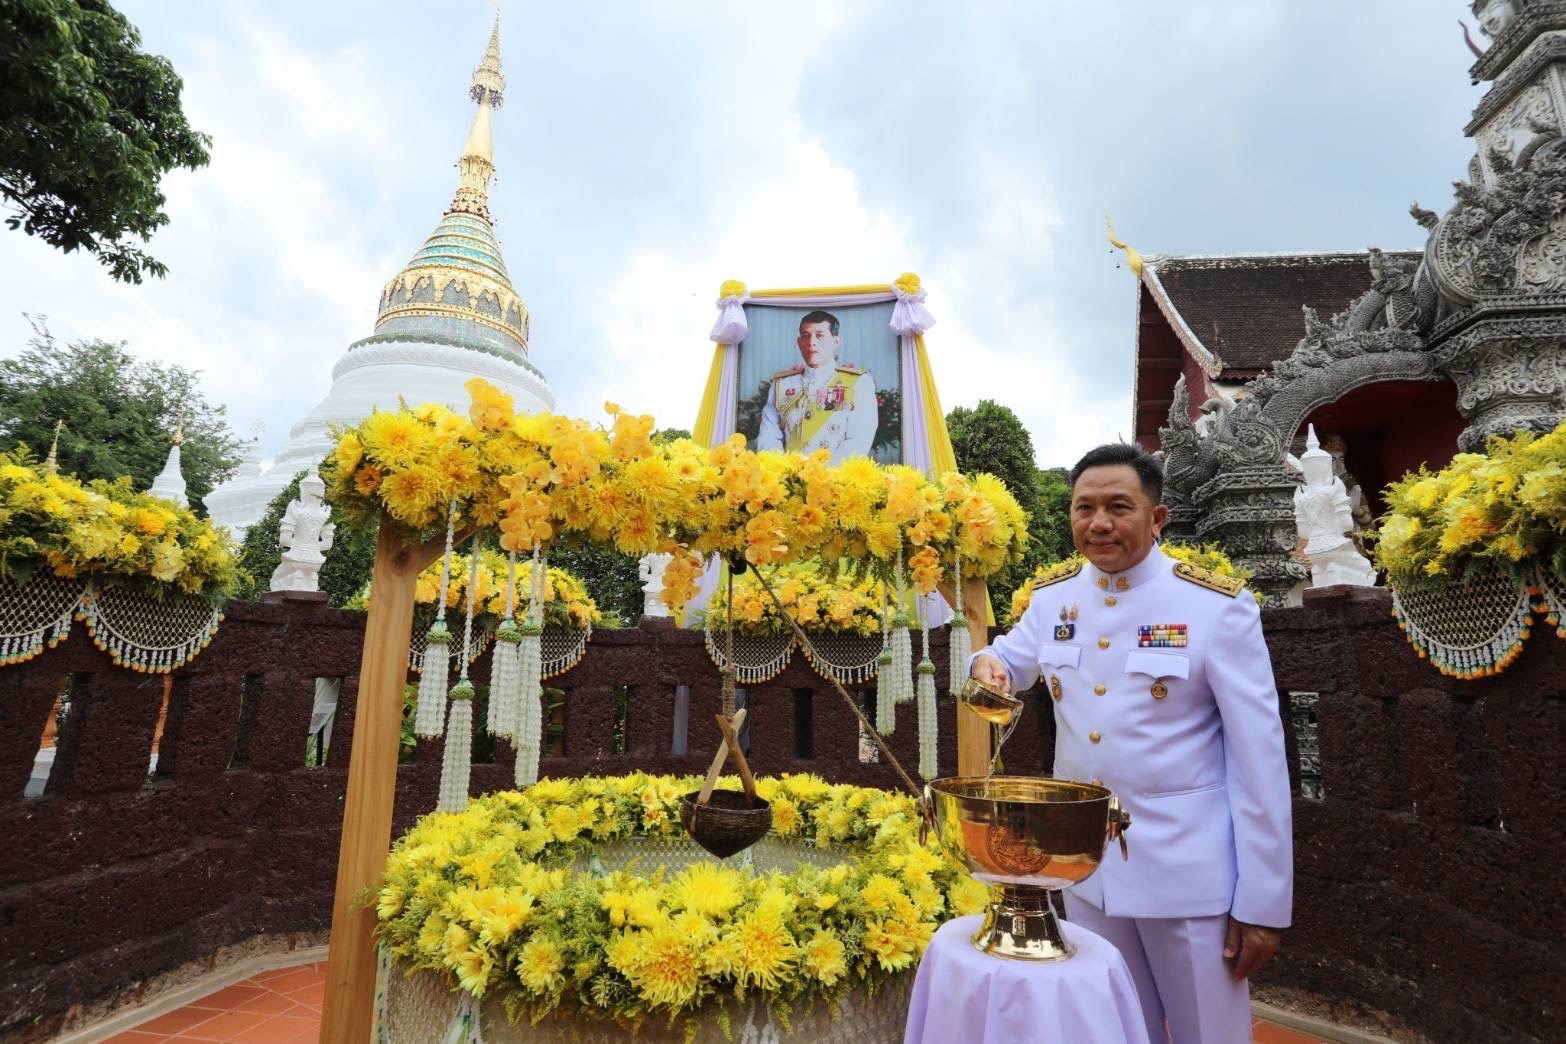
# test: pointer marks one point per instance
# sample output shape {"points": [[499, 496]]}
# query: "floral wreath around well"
{"points": [[503, 898]]}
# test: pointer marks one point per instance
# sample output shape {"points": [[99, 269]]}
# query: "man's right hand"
{"points": [[991, 671]]}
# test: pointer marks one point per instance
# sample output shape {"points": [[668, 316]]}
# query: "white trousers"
{"points": [[1180, 972]]}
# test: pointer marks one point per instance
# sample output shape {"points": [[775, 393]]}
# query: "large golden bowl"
{"points": [[1028, 835]]}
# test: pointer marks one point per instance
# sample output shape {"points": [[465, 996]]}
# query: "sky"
{"points": [[648, 151]]}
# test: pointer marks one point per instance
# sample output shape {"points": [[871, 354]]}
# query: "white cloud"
{"points": [[647, 153]]}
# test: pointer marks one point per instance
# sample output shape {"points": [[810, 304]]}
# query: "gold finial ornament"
{"points": [[458, 276], [489, 83], [51, 463], [477, 163], [179, 429]]}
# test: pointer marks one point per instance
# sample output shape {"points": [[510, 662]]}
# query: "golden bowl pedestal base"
{"points": [[1021, 926]]}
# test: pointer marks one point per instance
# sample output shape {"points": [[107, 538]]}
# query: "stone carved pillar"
{"points": [[1250, 512], [1510, 375]]}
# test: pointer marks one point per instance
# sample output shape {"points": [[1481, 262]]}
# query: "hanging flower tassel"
{"points": [[530, 727], [505, 678], [457, 760], [456, 765], [885, 700], [929, 759], [959, 644], [902, 683], [431, 716]]}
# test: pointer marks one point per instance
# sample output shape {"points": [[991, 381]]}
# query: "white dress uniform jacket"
{"points": [[1187, 736]]}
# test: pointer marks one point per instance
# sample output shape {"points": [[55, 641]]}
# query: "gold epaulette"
{"points": [[1058, 572], [793, 371], [846, 368], [1225, 585]]}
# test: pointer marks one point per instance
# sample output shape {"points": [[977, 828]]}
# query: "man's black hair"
{"points": [[1130, 454], [818, 316]]}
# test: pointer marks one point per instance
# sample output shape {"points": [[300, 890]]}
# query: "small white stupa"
{"points": [[450, 315], [170, 483]]}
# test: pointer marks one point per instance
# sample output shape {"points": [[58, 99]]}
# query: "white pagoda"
{"points": [[450, 315]]}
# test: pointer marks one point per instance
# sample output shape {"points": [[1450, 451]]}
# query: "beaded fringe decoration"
{"points": [[416, 649], [959, 644], [530, 708], [1470, 628], [929, 755], [505, 675], [757, 657], [561, 648], [430, 718], [456, 761], [848, 657], [36, 615], [1551, 595], [150, 636]]}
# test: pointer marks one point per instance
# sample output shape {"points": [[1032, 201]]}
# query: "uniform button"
{"points": [[1160, 690], [1098, 690], [1095, 737], [1103, 643], [1098, 782], [1110, 600]]}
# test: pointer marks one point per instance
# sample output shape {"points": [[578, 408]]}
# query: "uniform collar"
{"points": [[1138, 575]]}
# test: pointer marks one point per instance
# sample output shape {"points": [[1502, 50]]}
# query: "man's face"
{"points": [[1113, 520], [818, 344]]}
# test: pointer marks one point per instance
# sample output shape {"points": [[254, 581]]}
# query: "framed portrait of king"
{"points": [[814, 378]]}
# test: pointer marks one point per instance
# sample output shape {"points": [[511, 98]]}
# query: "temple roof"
{"points": [[1238, 314], [456, 290]]}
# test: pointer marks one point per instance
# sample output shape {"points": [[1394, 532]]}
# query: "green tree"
{"points": [[612, 578], [119, 413], [89, 124], [990, 437], [347, 567]]}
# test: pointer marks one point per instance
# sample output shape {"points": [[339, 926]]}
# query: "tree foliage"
{"points": [[990, 437], [89, 124], [348, 564], [119, 412]]}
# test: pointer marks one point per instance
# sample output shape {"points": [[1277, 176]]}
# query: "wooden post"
{"points": [[974, 753], [372, 783]]}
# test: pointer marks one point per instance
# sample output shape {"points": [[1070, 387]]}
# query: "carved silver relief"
{"points": [[1512, 130]]}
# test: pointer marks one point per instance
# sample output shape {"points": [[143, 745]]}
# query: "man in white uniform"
{"points": [[1163, 692], [823, 403]]}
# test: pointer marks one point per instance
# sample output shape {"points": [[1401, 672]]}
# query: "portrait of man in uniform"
{"points": [[822, 403], [834, 389]]}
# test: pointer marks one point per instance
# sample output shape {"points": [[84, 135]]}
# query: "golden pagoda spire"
{"points": [[456, 284], [477, 164], [51, 463]]}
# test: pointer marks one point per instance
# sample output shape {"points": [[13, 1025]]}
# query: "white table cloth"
{"points": [[962, 996]]}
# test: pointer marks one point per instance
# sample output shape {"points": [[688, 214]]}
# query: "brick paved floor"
{"points": [[283, 1006]]}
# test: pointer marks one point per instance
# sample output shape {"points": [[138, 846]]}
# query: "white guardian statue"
{"points": [[1325, 516], [651, 572], [305, 537]]}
